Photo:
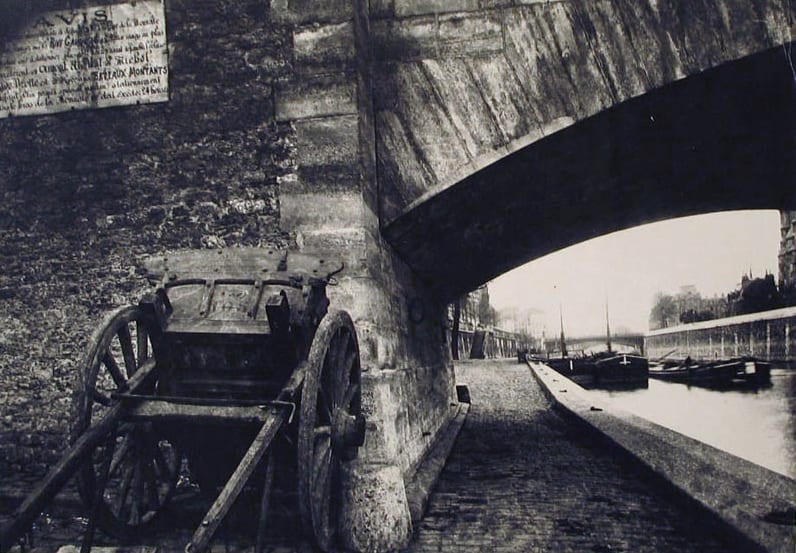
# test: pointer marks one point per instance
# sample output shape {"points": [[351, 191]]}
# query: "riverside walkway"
{"points": [[522, 479], [519, 479]]}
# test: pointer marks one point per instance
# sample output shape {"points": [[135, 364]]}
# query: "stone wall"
{"points": [[267, 139], [766, 335], [87, 194], [497, 343]]}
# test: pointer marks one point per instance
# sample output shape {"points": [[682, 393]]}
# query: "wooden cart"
{"points": [[232, 348]]}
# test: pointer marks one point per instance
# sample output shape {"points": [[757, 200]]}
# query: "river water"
{"points": [[756, 424]]}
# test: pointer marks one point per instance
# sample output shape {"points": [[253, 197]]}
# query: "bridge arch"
{"points": [[592, 150], [618, 341]]}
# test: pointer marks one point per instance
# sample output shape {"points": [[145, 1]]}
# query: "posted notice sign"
{"points": [[109, 55]]}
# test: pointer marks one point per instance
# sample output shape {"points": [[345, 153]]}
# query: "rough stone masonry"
{"points": [[266, 140], [269, 138]]}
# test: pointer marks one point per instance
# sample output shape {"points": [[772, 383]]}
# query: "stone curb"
{"points": [[736, 496], [419, 488]]}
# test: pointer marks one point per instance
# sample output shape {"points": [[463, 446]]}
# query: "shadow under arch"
{"points": [[721, 140]]}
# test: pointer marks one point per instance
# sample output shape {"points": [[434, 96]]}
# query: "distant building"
{"points": [[787, 250], [690, 302], [480, 331], [528, 322], [472, 314]]}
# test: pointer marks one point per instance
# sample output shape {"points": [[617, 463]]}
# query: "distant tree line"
{"points": [[688, 305]]}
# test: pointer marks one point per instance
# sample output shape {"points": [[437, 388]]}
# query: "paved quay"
{"points": [[519, 479], [522, 479]]}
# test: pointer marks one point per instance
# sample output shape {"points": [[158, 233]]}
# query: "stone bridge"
{"points": [[432, 144], [507, 130], [633, 340], [445, 143]]}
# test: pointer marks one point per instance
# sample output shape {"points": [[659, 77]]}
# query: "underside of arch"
{"points": [[720, 140]]}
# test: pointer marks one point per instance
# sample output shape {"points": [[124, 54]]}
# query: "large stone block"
{"points": [[316, 97], [325, 48], [349, 244], [478, 34], [311, 11], [321, 209], [327, 152], [405, 8], [401, 39]]}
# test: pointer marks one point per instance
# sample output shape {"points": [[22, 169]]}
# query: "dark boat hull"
{"points": [[752, 371], [578, 369], [697, 374], [718, 373], [614, 371], [622, 369]]}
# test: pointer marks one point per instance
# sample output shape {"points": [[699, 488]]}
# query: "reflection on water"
{"points": [[756, 424]]}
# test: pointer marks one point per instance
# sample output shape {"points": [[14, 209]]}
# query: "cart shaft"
{"points": [[278, 415], [69, 464]]}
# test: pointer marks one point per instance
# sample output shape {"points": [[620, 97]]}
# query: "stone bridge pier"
{"points": [[330, 203]]}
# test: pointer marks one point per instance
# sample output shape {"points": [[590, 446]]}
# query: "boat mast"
{"points": [[607, 328], [563, 342]]}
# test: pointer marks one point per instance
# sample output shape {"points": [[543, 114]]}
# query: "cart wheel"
{"points": [[331, 426], [144, 466]]}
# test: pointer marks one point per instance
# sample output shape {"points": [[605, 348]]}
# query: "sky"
{"points": [[625, 269]]}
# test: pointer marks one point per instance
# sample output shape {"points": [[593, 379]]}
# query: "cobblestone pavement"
{"points": [[520, 479]]}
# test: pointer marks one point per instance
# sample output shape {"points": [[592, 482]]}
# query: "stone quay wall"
{"points": [[767, 335], [497, 343], [87, 194]]}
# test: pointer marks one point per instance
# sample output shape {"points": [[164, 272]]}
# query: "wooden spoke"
{"points": [[115, 371], [322, 481], [101, 398], [327, 405], [322, 487], [350, 393], [126, 342], [342, 378], [124, 490], [348, 357], [138, 494], [321, 464], [332, 365], [334, 356], [351, 357], [120, 454], [151, 484], [142, 340], [161, 464]]}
